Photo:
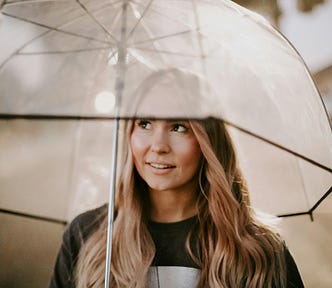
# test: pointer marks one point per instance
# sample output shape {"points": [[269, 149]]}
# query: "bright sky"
{"points": [[310, 33]]}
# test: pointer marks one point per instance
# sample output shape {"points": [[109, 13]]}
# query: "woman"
{"points": [[182, 217]]}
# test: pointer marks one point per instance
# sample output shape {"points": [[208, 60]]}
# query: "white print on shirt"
{"points": [[173, 276]]}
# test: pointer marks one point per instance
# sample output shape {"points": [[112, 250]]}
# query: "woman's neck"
{"points": [[172, 206]]}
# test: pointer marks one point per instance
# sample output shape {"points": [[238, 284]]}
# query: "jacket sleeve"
{"points": [[63, 275], [75, 235], [293, 275]]}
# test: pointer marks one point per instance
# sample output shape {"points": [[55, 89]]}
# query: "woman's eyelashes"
{"points": [[179, 127], [144, 124]]}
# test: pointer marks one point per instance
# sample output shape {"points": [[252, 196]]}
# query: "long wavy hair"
{"points": [[236, 249]]}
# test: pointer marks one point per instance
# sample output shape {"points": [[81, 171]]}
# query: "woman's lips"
{"points": [[160, 166]]}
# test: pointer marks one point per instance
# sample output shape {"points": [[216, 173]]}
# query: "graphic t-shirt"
{"points": [[172, 265]]}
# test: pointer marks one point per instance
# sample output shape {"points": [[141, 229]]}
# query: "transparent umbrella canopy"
{"points": [[95, 62]]}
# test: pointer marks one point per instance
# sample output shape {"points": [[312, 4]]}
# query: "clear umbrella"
{"points": [[72, 60]]}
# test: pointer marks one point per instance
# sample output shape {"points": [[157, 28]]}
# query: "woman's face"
{"points": [[166, 154]]}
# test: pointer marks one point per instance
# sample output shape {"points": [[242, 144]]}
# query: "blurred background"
{"points": [[306, 24], [29, 242]]}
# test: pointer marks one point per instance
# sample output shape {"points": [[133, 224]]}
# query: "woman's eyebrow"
{"points": [[177, 121]]}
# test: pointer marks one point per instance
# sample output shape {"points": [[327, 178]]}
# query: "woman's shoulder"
{"points": [[85, 224]]}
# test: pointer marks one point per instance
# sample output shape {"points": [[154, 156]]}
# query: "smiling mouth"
{"points": [[161, 166]]}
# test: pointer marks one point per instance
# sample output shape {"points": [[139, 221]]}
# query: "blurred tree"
{"points": [[272, 11], [268, 8], [271, 8], [308, 5]]}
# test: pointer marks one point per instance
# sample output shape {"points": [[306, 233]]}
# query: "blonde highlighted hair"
{"points": [[236, 249]]}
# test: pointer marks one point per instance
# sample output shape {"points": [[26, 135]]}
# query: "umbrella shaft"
{"points": [[119, 85], [111, 205]]}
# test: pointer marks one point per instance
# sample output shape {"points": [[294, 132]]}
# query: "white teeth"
{"points": [[159, 166]]}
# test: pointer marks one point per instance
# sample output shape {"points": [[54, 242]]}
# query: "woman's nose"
{"points": [[160, 142]]}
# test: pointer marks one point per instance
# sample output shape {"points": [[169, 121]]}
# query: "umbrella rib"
{"points": [[140, 19], [164, 51], [296, 214], [55, 28], [31, 216], [311, 210], [306, 196], [278, 146], [41, 35], [105, 118], [199, 38], [8, 116], [96, 20], [160, 37], [163, 37], [65, 52], [17, 52], [151, 40], [164, 15], [168, 52], [85, 10], [321, 200]]}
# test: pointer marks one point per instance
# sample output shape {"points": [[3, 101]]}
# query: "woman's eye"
{"points": [[180, 128], [144, 124]]}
